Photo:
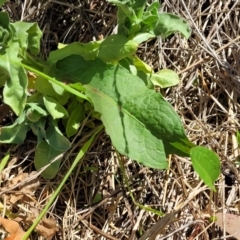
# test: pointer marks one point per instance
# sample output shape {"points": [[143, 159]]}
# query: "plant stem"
{"points": [[55, 194]]}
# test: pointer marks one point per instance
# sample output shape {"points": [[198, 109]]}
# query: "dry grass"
{"points": [[207, 99]]}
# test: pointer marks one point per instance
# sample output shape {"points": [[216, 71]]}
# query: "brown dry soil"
{"points": [[207, 100]]}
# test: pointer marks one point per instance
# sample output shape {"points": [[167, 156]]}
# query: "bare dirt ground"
{"points": [[207, 99]]}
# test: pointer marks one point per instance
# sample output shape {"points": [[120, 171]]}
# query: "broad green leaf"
{"points": [[207, 164], [15, 133], [165, 78], [137, 119], [43, 156], [15, 89], [28, 35], [35, 112], [115, 48], [55, 138], [74, 120], [88, 51], [169, 23], [55, 109]]}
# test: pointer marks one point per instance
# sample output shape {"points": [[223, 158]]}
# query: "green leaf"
{"points": [[38, 128], [4, 28], [15, 133], [35, 112], [150, 20], [142, 37], [3, 78], [116, 47], [238, 138], [2, 2], [28, 35], [169, 23], [44, 155], [15, 89], [142, 66], [55, 138], [153, 7], [45, 78], [97, 198], [4, 20], [128, 63], [138, 4], [46, 88], [62, 95], [126, 8], [74, 120], [4, 162], [88, 51], [35, 98], [207, 164], [77, 86], [165, 78], [137, 119], [55, 109]]}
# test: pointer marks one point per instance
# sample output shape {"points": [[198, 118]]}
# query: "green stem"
{"points": [[159, 213], [51, 79], [35, 62], [78, 158]]}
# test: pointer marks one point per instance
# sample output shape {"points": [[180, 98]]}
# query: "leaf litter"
{"points": [[206, 99], [22, 197], [13, 228]]}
